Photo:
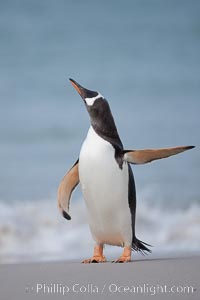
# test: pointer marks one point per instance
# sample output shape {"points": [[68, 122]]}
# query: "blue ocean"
{"points": [[144, 57]]}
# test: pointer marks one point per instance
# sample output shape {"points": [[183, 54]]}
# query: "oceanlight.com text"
{"points": [[109, 288]]}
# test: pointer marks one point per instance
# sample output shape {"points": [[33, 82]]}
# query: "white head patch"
{"points": [[90, 101]]}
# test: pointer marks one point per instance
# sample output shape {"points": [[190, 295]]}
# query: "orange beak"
{"points": [[83, 92], [77, 87]]}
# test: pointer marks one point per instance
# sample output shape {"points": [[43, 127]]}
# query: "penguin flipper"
{"points": [[148, 155], [65, 189]]}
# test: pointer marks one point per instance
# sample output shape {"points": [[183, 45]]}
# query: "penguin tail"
{"points": [[140, 246]]}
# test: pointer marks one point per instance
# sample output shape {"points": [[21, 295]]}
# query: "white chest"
{"points": [[105, 190], [98, 167]]}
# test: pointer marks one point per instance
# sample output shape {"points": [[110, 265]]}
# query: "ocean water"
{"points": [[144, 58]]}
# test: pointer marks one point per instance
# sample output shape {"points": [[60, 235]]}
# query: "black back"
{"points": [[132, 198]]}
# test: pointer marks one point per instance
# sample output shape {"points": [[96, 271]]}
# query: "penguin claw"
{"points": [[94, 260], [122, 259], [86, 261]]}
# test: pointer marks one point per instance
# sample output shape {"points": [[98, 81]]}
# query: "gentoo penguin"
{"points": [[107, 182]]}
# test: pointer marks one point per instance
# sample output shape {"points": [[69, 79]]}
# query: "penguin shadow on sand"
{"points": [[107, 182]]}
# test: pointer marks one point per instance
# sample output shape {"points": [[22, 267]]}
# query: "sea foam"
{"points": [[35, 231]]}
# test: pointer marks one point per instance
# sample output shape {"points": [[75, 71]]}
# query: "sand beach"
{"points": [[173, 278]]}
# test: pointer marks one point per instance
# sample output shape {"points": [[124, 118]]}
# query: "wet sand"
{"points": [[172, 278]]}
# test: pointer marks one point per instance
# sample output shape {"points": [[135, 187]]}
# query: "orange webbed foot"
{"points": [[125, 257], [98, 256]]}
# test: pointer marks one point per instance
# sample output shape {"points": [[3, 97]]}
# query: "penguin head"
{"points": [[95, 103]]}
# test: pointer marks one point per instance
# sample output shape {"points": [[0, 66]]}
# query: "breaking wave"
{"points": [[35, 231]]}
